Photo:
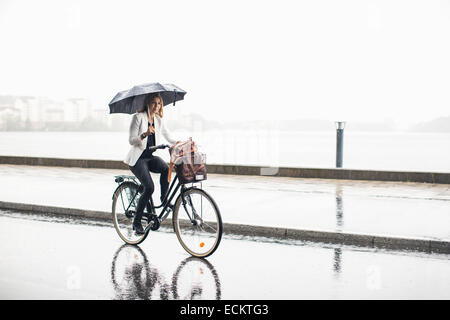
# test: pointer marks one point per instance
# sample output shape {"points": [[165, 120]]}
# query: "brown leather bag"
{"points": [[190, 165], [191, 168]]}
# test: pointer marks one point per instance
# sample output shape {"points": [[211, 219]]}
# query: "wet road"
{"points": [[51, 258], [412, 210]]}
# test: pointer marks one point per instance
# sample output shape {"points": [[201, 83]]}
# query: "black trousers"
{"points": [[141, 170]]}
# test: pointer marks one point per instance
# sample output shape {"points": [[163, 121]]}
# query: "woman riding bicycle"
{"points": [[146, 128]]}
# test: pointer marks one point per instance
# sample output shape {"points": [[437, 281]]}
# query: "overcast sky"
{"points": [[238, 59]]}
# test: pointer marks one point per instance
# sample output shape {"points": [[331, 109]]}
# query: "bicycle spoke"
{"points": [[121, 198], [201, 234], [212, 228]]}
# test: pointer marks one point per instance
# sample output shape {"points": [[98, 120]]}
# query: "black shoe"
{"points": [[137, 227]]}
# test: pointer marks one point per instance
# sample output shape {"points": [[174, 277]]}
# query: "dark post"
{"points": [[339, 142]]}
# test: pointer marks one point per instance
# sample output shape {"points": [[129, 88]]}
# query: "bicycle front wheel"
{"points": [[197, 222], [124, 205]]}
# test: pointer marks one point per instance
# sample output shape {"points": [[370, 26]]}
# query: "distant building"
{"points": [[78, 109], [39, 113], [8, 115], [100, 115]]}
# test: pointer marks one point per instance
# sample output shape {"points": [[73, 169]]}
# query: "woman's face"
{"points": [[155, 105]]}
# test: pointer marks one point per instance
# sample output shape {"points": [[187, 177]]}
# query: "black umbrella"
{"points": [[129, 101]]}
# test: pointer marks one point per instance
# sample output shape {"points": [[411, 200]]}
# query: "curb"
{"points": [[371, 241], [319, 173]]}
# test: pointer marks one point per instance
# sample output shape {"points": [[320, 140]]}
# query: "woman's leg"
{"points": [[157, 165], [141, 171]]}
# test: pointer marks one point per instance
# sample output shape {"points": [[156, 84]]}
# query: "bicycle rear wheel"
{"points": [[197, 222], [124, 206]]}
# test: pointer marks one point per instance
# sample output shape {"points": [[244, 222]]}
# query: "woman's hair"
{"points": [[148, 100]]}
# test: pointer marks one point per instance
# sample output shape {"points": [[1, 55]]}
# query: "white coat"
{"points": [[139, 125]]}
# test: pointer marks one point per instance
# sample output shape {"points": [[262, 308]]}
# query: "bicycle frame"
{"points": [[168, 197]]}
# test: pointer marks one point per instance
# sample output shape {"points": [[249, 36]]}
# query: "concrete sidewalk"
{"points": [[385, 209]]}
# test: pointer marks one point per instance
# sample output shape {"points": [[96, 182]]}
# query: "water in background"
{"points": [[362, 150]]}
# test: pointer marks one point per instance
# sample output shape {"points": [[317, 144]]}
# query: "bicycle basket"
{"points": [[191, 168]]}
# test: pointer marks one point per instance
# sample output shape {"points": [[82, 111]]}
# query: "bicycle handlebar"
{"points": [[161, 146]]}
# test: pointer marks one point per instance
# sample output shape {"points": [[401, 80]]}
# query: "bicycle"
{"points": [[196, 218]]}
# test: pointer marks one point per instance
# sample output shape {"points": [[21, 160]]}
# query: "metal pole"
{"points": [[339, 143]]}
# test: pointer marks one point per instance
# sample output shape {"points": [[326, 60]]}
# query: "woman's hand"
{"points": [[150, 130]]}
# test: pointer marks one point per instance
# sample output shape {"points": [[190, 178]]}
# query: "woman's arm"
{"points": [[134, 139]]}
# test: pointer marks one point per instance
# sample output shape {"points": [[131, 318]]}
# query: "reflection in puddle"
{"points": [[339, 208], [337, 257], [134, 277], [337, 261], [196, 278]]}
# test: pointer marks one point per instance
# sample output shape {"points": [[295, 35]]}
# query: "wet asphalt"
{"points": [[53, 258], [412, 210]]}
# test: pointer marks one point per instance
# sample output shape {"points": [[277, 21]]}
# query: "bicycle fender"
{"points": [[126, 182]]}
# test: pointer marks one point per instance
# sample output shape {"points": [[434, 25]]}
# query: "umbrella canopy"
{"points": [[129, 101]]}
